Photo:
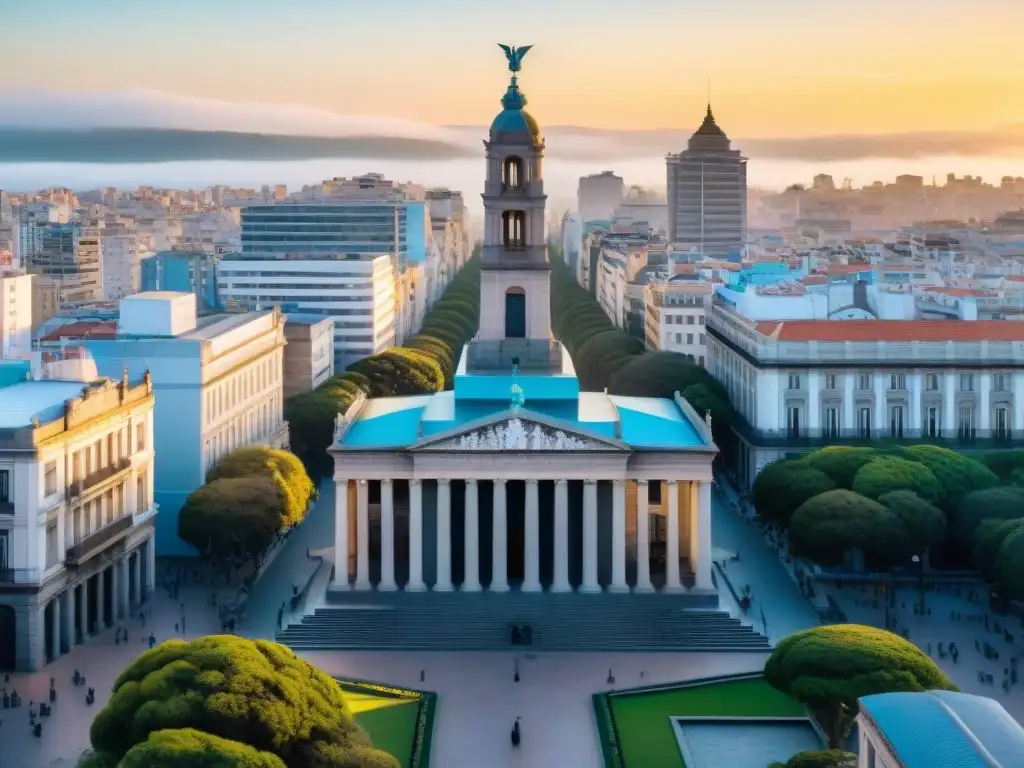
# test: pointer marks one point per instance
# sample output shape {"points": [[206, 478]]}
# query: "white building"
{"points": [[359, 293], [598, 196], [675, 317], [76, 512], [309, 353], [121, 261], [15, 314], [801, 384]]}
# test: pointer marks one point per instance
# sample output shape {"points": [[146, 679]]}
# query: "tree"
{"points": [[819, 758], [310, 419], [1004, 503], [957, 474], [829, 667], [827, 526], [1009, 571], [988, 539], [840, 462], [603, 354], [189, 748], [251, 692], [282, 467], [233, 517], [783, 486], [889, 473], [1004, 463], [658, 374], [925, 523]]}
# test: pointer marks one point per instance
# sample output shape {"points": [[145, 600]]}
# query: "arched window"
{"points": [[513, 230], [512, 173], [515, 313]]}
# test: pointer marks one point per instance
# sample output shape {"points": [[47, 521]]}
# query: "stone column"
{"points": [[125, 600], [643, 535], [443, 582], [150, 565], [560, 582], [672, 583], [341, 513], [135, 563], [115, 591], [531, 543], [619, 537], [499, 540], [471, 582], [68, 616], [387, 537], [415, 537], [101, 601], [590, 537], [55, 628], [362, 536], [702, 568], [83, 615]]}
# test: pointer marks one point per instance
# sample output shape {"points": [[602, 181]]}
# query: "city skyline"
{"points": [[773, 73]]}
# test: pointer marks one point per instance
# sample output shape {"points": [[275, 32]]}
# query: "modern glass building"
{"points": [[185, 272], [71, 256]]}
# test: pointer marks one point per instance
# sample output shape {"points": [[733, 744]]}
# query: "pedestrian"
{"points": [[152, 640], [183, 624]]}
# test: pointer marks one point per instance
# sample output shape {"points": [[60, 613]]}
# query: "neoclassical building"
{"points": [[516, 479]]}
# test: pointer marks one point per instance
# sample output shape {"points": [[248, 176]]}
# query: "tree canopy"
{"points": [[827, 526], [284, 468], [783, 486], [250, 692], [840, 462], [884, 474], [829, 667], [924, 522], [1009, 569], [988, 538], [189, 748], [233, 517], [820, 758], [957, 474], [1003, 503]]}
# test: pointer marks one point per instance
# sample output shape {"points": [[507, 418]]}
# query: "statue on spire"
{"points": [[515, 56]]}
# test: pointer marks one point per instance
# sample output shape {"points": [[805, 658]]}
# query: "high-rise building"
{"points": [[599, 195], [15, 314], [182, 272], [707, 194], [121, 270], [70, 256]]}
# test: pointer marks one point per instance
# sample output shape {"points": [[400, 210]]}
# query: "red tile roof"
{"points": [[892, 330], [85, 330]]}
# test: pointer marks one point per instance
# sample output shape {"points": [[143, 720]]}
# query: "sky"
{"points": [[774, 68]]}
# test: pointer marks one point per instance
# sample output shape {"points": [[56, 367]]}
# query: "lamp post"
{"points": [[920, 579]]}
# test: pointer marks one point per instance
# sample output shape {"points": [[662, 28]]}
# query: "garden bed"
{"points": [[399, 720]]}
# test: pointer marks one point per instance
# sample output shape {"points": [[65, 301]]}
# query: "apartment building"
{"points": [[675, 316], [70, 257], [598, 195], [15, 314], [121, 260], [182, 271], [76, 507]]}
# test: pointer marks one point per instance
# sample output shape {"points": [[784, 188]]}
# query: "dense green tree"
{"points": [[957, 474], [884, 474], [189, 748], [988, 538], [602, 355], [1009, 571], [820, 758], [925, 523], [284, 468], [826, 527], [840, 462], [233, 517], [1004, 463], [255, 693], [658, 374], [829, 667], [783, 486], [1004, 503]]}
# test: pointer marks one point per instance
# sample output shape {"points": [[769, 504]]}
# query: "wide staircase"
{"points": [[484, 621]]}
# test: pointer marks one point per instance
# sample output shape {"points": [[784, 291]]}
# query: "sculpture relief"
{"points": [[514, 435]]}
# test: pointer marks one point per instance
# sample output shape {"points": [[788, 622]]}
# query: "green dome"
{"points": [[514, 123]]}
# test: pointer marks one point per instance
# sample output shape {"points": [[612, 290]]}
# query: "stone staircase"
{"points": [[457, 621]]}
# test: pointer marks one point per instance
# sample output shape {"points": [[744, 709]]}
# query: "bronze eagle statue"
{"points": [[515, 56]]}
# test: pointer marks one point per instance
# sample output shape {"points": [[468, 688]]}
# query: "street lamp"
{"points": [[920, 578]]}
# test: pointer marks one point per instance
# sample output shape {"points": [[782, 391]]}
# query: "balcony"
{"points": [[10, 577], [101, 475], [95, 543]]}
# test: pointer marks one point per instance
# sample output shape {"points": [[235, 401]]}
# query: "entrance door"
{"points": [[515, 314], [7, 627]]}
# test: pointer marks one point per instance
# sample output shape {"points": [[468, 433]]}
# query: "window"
{"points": [[98, 448], [108, 504], [88, 461], [689, 338], [5, 486], [965, 422], [702, 319], [111, 455], [689, 320], [896, 421], [793, 422], [966, 382], [931, 382], [794, 381], [898, 381], [50, 478], [703, 339], [512, 173], [1001, 382], [5, 551], [654, 492], [679, 338], [1002, 431], [864, 381], [51, 544], [931, 421], [831, 429], [141, 492], [78, 528], [702, 360], [76, 466], [140, 436], [830, 381], [513, 230], [864, 423]]}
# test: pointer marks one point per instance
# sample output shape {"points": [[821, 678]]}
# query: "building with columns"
{"points": [[516, 479], [76, 506]]}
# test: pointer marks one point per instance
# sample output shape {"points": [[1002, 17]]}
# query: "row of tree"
{"points": [[894, 502], [226, 702], [251, 496], [606, 357], [425, 363]]}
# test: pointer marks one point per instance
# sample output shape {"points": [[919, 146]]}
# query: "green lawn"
{"points": [[642, 720], [390, 721]]}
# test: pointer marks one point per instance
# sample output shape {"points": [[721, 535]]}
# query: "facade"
{"points": [[70, 256], [308, 354], [15, 314], [599, 195], [936, 729], [182, 271], [802, 384], [218, 381], [675, 317], [707, 194], [76, 512], [121, 268], [358, 293], [516, 479]]}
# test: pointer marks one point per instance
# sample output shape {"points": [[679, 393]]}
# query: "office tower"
{"points": [[598, 196]]}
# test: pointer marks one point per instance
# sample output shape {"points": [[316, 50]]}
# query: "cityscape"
{"points": [[350, 416]]}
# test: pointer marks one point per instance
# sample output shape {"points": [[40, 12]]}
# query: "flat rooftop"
{"points": [[43, 400]]}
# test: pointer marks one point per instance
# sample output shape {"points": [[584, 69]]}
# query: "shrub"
{"points": [[988, 539], [957, 474], [829, 667], [833, 523], [1004, 463], [820, 758], [195, 749], [925, 523], [783, 486], [1009, 570], [884, 474]]}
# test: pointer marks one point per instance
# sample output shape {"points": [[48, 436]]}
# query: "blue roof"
{"points": [[44, 400], [946, 729]]}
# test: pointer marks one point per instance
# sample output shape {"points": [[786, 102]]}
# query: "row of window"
{"points": [[253, 426], [689, 320], [966, 423], [1001, 382], [316, 275], [238, 388], [689, 338], [105, 452]]}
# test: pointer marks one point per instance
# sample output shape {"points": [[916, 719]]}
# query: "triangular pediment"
{"points": [[519, 429]]}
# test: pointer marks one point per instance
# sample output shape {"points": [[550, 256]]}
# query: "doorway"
{"points": [[515, 313]]}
